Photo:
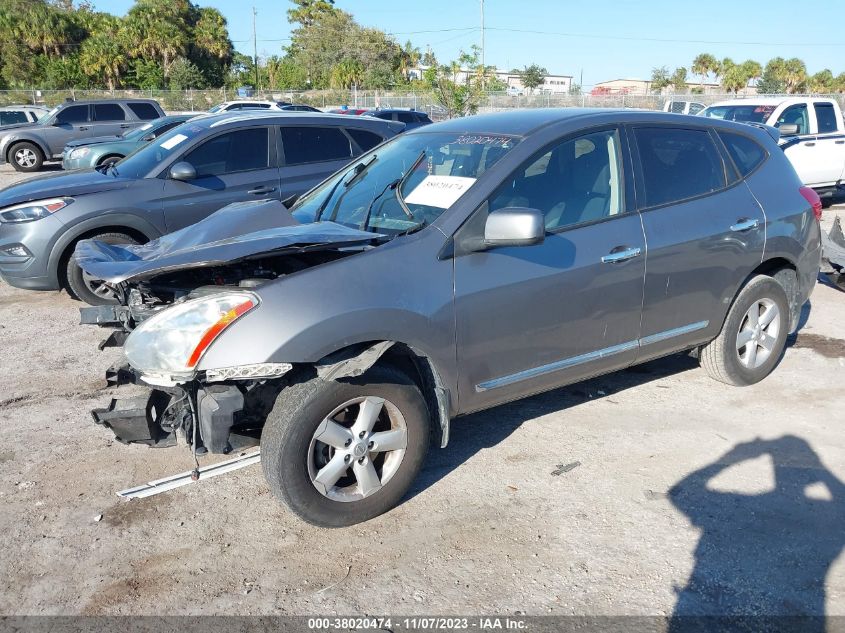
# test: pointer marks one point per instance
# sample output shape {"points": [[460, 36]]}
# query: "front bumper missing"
{"points": [[215, 418], [136, 420]]}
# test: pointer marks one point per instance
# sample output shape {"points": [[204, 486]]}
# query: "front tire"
{"points": [[753, 335], [108, 161], [87, 288], [26, 157], [339, 452]]}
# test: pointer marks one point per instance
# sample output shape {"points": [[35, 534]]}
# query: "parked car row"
{"points": [[437, 272]]}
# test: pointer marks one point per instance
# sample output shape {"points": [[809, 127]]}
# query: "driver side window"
{"points": [[796, 115], [575, 182]]}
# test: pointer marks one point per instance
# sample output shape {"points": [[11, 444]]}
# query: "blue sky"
{"points": [[607, 39]]}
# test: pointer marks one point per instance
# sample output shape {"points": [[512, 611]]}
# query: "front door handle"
{"points": [[262, 190], [810, 144], [124, 126], [620, 254], [839, 142], [83, 128], [744, 224]]}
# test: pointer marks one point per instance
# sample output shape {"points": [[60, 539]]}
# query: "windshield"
{"points": [[404, 184], [43, 118], [143, 160], [742, 113], [138, 132]]}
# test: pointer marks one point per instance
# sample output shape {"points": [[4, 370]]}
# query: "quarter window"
{"points": [[243, 150], [144, 111], [366, 140], [678, 164], [746, 154], [73, 114], [108, 112], [314, 144], [826, 117], [574, 182]]}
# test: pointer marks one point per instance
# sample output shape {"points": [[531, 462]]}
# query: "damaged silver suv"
{"points": [[454, 268]]}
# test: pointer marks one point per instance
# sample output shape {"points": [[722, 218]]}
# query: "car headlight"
{"points": [[172, 342], [79, 152], [29, 211]]}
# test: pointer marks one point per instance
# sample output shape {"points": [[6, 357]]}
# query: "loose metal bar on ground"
{"points": [[175, 481]]}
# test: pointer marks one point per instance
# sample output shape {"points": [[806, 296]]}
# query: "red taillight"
{"points": [[813, 198]]}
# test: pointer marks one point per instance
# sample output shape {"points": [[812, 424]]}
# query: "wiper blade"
{"points": [[402, 182], [360, 168]]}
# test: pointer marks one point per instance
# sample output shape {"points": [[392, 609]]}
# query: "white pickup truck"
{"points": [[812, 135]]}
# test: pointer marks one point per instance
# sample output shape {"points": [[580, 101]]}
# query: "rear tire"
{"points": [[753, 336], [295, 460], [26, 157], [82, 286]]}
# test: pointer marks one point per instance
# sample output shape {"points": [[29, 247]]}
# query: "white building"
{"points": [[552, 84]]}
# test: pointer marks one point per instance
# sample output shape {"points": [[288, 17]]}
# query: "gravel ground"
{"points": [[565, 503]]}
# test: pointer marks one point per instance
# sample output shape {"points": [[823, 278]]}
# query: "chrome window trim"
{"points": [[566, 363]]}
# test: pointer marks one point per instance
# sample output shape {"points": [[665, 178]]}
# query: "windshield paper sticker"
{"points": [[173, 141], [475, 139], [439, 191]]}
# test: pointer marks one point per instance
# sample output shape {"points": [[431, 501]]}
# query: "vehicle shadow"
{"points": [[762, 559], [475, 432]]}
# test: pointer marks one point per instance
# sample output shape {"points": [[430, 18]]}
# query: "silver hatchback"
{"points": [[455, 268]]}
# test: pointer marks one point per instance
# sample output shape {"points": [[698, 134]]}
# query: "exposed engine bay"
{"points": [[243, 245]]}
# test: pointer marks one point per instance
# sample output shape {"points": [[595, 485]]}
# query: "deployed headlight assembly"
{"points": [[29, 211], [172, 342], [79, 152]]}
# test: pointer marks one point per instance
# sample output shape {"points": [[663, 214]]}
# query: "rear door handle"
{"points": [[744, 224], [840, 142], [124, 126], [262, 190], [83, 128], [620, 254], [810, 144]]}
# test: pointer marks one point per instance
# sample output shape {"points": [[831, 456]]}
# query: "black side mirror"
{"points": [[182, 171]]}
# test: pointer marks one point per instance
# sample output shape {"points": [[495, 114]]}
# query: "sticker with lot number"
{"points": [[173, 141], [439, 191]]}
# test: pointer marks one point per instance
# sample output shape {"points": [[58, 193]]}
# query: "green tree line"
{"points": [[778, 76], [160, 43]]}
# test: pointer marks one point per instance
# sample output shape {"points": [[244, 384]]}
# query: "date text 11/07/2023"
{"points": [[418, 623]]}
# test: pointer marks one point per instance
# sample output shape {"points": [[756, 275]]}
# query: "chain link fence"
{"points": [[201, 100]]}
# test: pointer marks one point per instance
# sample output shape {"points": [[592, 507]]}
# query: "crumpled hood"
{"points": [[235, 232], [76, 183], [94, 140]]}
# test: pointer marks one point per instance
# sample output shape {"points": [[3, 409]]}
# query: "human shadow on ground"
{"points": [[762, 559]]}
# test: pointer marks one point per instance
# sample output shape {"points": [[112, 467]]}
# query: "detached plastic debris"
{"points": [[833, 254]]}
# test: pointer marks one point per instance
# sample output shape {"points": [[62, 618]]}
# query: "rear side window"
{"points": [[746, 154], [366, 140], [678, 164], [108, 112], [144, 111], [406, 117], [314, 144], [73, 114], [15, 116], [826, 117], [243, 150]]}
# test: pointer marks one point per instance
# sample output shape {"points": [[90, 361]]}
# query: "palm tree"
{"points": [[211, 34], [703, 65], [751, 70], [409, 58], [794, 75], [346, 73], [103, 56]]}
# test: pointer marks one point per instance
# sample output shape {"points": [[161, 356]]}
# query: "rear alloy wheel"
{"points": [[753, 336], [26, 157], [342, 452], [85, 287]]}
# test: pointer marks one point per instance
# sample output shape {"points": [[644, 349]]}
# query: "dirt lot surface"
{"points": [[638, 493]]}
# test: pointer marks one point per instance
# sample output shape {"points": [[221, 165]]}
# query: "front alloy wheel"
{"points": [[339, 452]]}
